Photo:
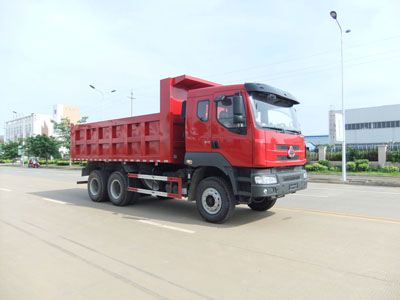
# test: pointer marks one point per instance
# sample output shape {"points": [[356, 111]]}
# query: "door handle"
{"points": [[214, 144]]}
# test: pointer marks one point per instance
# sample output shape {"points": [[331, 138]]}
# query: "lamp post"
{"points": [[344, 175], [131, 98], [103, 94]]}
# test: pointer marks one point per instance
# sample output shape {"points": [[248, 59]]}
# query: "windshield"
{"points": [[278, 114]]}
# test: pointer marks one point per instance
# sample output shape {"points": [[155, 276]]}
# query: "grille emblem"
{"points": [[291, 152]]}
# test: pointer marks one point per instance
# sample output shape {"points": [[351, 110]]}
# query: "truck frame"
{"points": [[218, 145]]}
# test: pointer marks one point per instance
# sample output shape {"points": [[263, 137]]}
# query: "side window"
{"points": [[203, 109], [225, 112], [226, 117]]}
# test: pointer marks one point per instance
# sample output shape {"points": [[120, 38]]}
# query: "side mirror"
{"points": [[238, 108]]}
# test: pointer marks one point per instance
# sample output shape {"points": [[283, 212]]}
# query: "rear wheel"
{"points": [[214, 200], [118, 189], [262, 204], [97, 186]]}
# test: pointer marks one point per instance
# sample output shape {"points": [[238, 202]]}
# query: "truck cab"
{"points": [[251, 133]]}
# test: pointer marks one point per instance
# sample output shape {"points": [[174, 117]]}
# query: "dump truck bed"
{"points": [[156, 137]]}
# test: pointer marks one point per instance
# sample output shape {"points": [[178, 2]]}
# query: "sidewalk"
{"points": [[358, 180]]}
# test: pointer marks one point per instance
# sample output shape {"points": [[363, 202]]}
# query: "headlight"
{"points": [[305, 175], [264, 179]]}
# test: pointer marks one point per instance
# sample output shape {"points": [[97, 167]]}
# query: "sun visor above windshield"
{"points": [[263, 88]]}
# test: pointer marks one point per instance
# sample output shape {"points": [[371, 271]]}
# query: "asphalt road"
{"points": [[326, 242]]}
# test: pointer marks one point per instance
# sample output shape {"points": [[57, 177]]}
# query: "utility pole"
{"points": [[131, 98]]}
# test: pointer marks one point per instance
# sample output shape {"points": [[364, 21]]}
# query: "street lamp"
{"points": [[344, 177], [103, 94]]}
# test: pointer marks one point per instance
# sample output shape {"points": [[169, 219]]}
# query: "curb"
{"points": [[45, 167], [384, 181]]}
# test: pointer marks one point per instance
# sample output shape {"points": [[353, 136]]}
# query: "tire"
{"points": [[97, 186], [214, 200], [117, 187], [262, 204]]}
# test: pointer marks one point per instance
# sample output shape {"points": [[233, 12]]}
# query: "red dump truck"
{"points": [[218, 145]]}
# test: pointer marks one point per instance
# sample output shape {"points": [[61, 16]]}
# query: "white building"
{"points": [[369, 125], [27, 126]]}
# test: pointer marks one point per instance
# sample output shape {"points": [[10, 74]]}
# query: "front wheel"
{"points": [[262, 204], [214, 200]]}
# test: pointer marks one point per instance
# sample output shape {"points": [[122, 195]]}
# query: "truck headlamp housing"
{"points": [[305, 176], [265, 179]]}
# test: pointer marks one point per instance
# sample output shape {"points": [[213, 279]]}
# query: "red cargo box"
{"points": [[148, 138]]}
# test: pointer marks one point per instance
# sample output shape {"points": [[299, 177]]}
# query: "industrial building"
{"points": [[368, 126]]}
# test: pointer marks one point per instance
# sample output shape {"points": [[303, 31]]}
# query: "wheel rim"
{"points": [[115, 189], [211, 201], [94, 186]]}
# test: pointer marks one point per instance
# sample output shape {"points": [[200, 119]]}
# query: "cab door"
{"points": [[228, 137], [198, 135]]}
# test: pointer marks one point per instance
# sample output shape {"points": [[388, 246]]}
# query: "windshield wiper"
{"points": [[293, 131], [282, 129], [274, 128]]}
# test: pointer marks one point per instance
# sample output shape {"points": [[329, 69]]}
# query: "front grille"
{"points": [[286, 147], [291, 177], [283, 157]]}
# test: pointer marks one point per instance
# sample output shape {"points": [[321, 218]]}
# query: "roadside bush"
{"points": [[316, 167], [62, 163], [361, 161], [325, 163], [362, 167], [390, 169], [351, 166], [6, 161], [393, 156]]}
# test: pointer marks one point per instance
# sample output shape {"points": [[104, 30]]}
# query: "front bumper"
{"points": [[288, 181]]}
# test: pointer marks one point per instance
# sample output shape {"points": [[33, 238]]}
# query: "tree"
{"points": [[10, 150], [62, 131], [83, 120], [42, 146]]}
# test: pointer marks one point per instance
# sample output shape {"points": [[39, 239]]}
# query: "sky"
{"points": [[51, 51]]}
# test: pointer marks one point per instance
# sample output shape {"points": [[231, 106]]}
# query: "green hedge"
{"points": [[6, 161], [393, 156], [316, 167]]}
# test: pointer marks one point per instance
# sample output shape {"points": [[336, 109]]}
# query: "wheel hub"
{"points": [[115, 189], [94, 186], [211, 201]]}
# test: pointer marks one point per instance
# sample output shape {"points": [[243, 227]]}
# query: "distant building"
{"points": [[369, 125], [1, 139], [27, 126], [61, 111]]}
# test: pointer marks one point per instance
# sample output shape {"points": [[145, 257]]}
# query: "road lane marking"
{"points": [[166, 226], [307, 195], [54, 201], [341, 215], [5, 190]]}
